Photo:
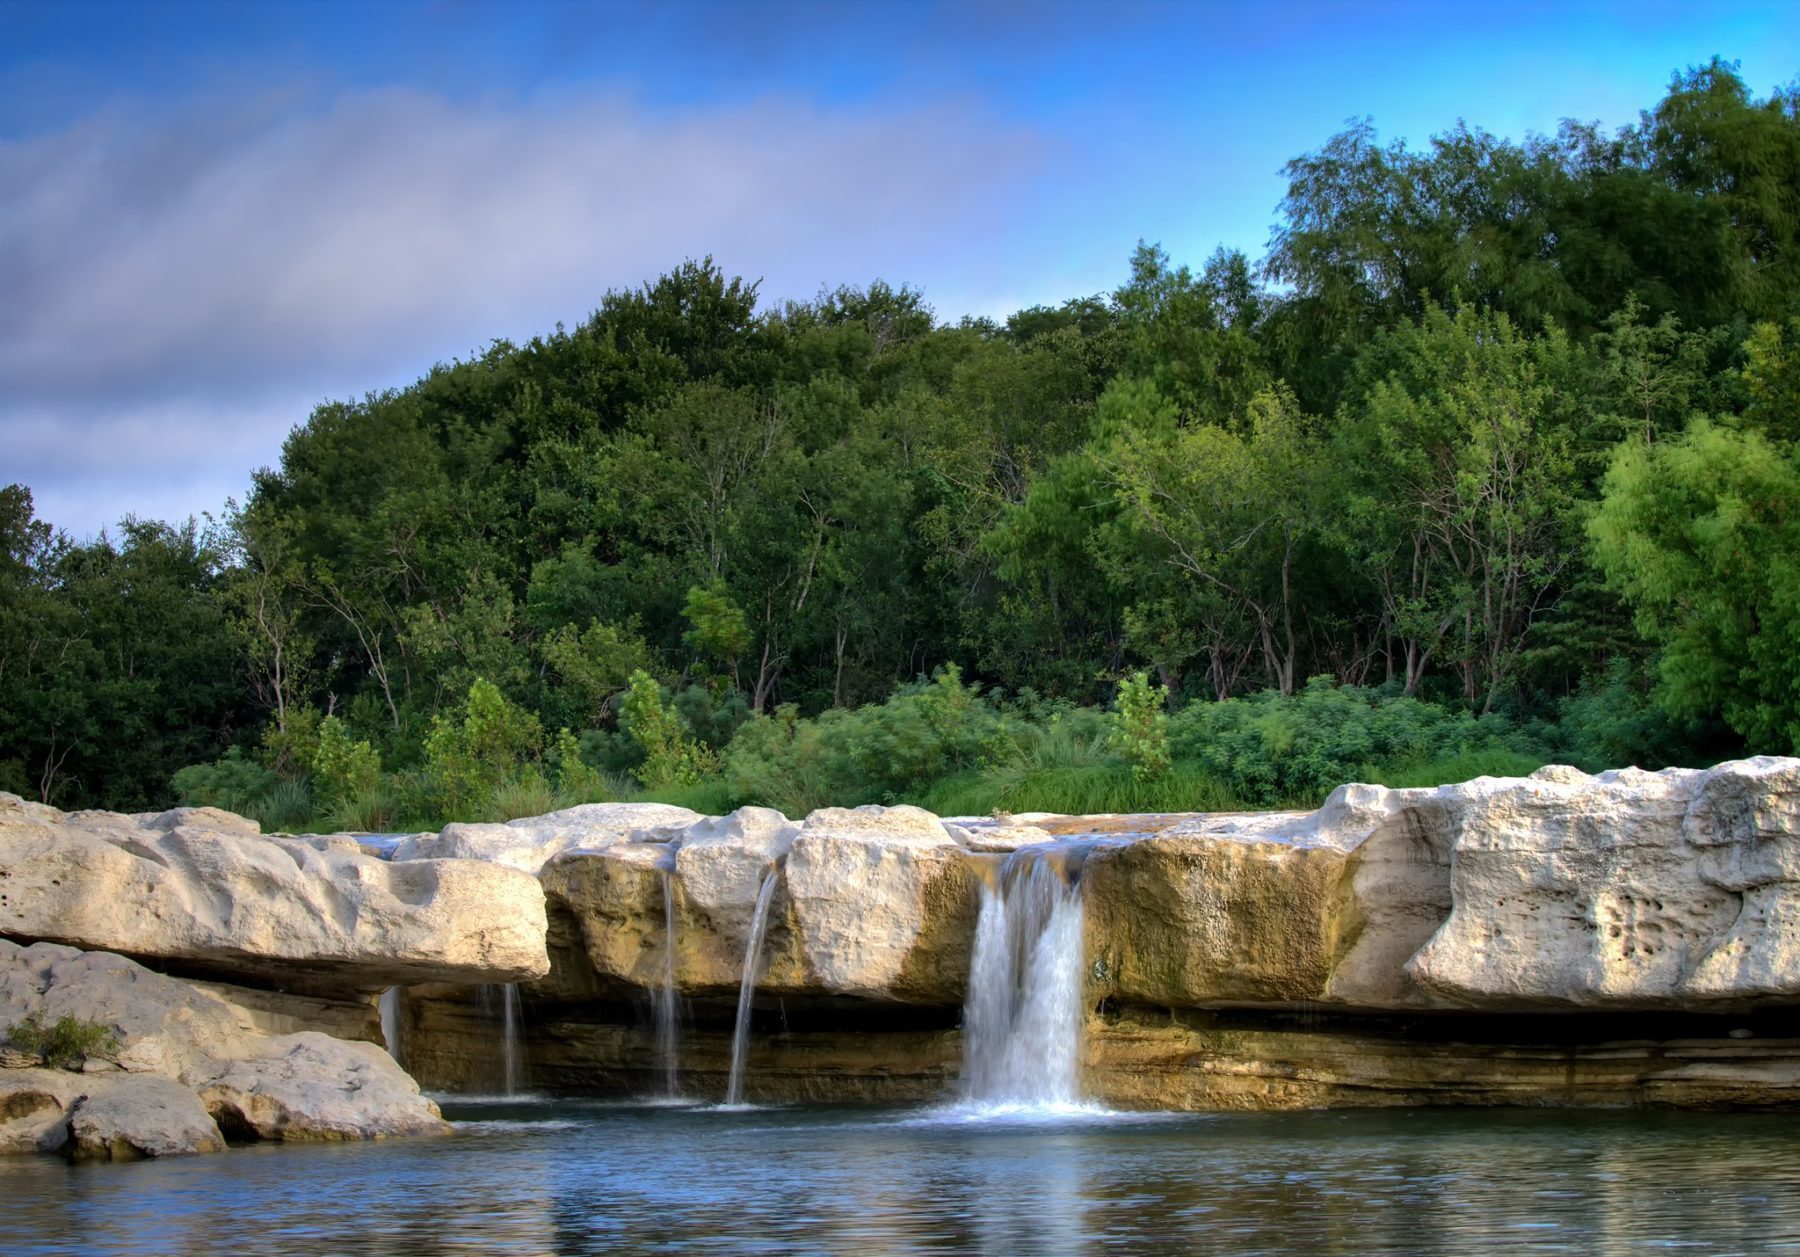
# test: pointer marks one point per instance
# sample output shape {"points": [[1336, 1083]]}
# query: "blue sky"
{"points": [[214, 216]]}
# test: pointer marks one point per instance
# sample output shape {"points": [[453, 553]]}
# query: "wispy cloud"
{"points": [[184, 272]]}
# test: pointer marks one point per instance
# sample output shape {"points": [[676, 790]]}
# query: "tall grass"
{"points": [[1449, 769], [1093, 788]]}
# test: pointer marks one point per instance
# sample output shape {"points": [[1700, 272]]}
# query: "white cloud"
{"points": [[170, 277]]}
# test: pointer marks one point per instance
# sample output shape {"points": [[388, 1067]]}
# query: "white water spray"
{"points": [[1022, 1021], [665, 1002], [740, 1036]]}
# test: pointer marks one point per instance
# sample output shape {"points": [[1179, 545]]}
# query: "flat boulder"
{"points": [[205, 888]]}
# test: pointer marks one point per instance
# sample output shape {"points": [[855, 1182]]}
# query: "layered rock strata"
{"points": [[1476, 943]]}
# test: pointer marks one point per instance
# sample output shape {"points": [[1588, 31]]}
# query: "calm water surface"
{"points": [[571, 1177]]}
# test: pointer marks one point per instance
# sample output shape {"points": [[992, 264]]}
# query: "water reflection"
{"points": [[565, 1177]]}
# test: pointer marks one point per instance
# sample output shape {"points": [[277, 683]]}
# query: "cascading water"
{"points": [[1022, 1021], [740, 1036], [666, 1002], [389, 1006], [504, 1002]]}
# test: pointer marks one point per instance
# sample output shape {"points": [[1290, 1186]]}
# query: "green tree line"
{"points": [[1499, 438]]}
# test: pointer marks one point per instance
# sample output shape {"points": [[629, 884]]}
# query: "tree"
{"points": [[1702, 536]]}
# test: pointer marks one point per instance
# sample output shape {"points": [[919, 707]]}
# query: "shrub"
{"points": [[576, 780], [877, 754], [285, 807], [1141, 727], [376, 807], [343, 769], [490, 741], [527, 796], [67, 1042], [1270, 750], [232, 782], [671, 755]]}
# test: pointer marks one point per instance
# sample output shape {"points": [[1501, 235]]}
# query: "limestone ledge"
{"points": [[1628, 890], [204, 891]]}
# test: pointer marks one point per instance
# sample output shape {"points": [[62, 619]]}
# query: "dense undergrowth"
{"points": [[942, 743]]}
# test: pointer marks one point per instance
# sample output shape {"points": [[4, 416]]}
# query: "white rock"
{"points": [[200, 885], [531, 842], [127, 1119], [1629, 889]]}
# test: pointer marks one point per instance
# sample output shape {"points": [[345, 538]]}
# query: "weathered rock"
{"points": [[141, 1117], [883, 904], [312, 1088], [532, 842], [203, 888], [173, 1035], [1677, 889]]}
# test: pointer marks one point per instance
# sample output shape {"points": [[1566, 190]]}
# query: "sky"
{"points": [[214, 217]]}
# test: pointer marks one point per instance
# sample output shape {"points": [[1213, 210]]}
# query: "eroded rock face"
{"points": [[1677, 889], [203, 887], [185, 1068]]}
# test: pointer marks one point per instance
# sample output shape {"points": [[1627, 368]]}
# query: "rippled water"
{"points": [[568, 1177]]}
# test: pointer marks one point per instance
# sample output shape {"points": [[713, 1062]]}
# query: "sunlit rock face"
{"points": [[1631, 890], [203, 888], [186, 1071]]}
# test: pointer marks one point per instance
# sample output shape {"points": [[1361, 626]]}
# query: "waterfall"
{"points": [[665, 1002], [390, 1022], [1022, 1021], [740, 1036], [507, 999]]}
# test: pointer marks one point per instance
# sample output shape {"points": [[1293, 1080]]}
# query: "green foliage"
{"points": [[877, 754], [671, 755], [1381, 450], [66, 1042], [1141, 727], [528, 796], [343, 769], [718, 631], [1080, 791], [231, 782], [1702, 536], [1269, 750], [576, 780], [468, 754]]}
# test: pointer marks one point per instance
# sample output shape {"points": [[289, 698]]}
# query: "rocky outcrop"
{"points": [[1465, 944], [871, 903], [204, 891], [184, 1071], [1630, 890]]}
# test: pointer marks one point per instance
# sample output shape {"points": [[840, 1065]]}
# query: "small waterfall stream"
{"points": [[1022, 1019], [665, 1003], [740, 1036], [389, 1006], [502, 1001]]}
